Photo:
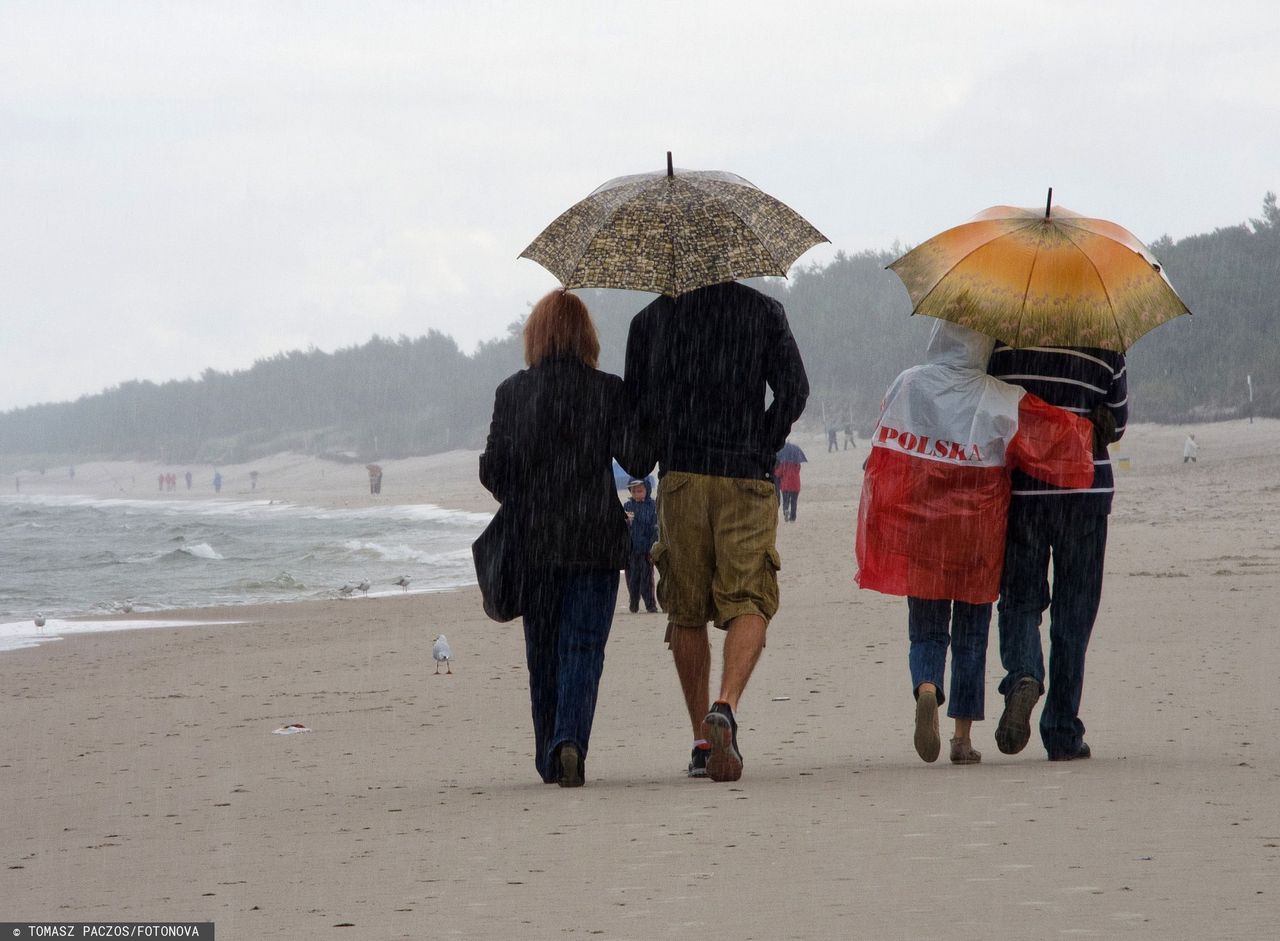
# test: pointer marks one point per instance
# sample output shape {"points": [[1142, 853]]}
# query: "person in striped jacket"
{"points": [[1062, 528]]}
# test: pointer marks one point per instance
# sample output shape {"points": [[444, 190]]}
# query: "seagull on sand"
{"points": [[346, 589], [403, 582], [364, 586], [39, 619], [441, 653]]}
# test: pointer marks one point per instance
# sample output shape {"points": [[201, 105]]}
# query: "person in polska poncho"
{"points": [[931, 520]]}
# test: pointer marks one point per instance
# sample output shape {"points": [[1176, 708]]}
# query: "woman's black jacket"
{"points": [[555, 428]]}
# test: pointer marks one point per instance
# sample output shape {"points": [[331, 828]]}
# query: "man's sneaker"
{"points": [[1014, 729], [571, 770], [928, 741], [724, 763], [1080, 753], [698, 760]]}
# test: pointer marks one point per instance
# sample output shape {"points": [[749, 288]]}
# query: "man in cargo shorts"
{"points": [[698, 366]]}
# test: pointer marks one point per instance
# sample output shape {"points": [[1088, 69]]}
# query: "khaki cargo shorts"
{"points": [[716, 551]]}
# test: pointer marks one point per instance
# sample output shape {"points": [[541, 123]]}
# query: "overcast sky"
{"points": [[192, 185]]}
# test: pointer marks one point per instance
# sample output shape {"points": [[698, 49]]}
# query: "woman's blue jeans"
{"points": [[566, 625], [927, 626]]}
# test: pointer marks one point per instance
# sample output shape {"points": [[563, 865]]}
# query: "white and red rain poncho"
{"points": [[931, 522]]}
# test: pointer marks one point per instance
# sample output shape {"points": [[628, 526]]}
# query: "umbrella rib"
{"points": [[1026, 291], [1111, 306]]}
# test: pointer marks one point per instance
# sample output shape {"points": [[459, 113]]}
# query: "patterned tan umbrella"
{"points": [[672, 232], [1033, 278]]}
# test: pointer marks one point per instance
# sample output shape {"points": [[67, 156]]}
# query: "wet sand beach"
{"points": [[140, 779]]}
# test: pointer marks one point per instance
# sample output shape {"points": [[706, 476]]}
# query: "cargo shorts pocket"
{"points": [[769, 583], [763, 489]]}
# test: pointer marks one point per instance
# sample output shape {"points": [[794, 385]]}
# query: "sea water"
{"points": [[67, 555]]}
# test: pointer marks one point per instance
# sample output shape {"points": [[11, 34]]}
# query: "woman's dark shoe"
{"points": [[572, 773]]}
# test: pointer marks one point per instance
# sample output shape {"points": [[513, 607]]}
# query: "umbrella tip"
{"points": [[670, 170], [1048, 202]]}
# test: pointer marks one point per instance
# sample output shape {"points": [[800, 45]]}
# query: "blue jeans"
{"points": [[1044, 531], [927, 626], [566, 625]]}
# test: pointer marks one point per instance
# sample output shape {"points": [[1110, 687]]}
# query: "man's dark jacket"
{"points": [[697, 367]]}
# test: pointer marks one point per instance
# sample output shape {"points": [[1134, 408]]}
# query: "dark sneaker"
{"points": [[571, 770], [1014, 730], [1080, 753], [698, 760], [724, 763], [927, 739]]}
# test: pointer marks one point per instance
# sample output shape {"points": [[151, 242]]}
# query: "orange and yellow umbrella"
{"points": [[1041, 278]]}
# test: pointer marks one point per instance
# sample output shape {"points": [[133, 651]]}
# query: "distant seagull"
{"points": [[363, 586], [346, 589], [441, 653], [40, 621], [403, 582]]}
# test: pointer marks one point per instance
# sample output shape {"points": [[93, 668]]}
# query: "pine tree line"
{"points": [[393, 398]]}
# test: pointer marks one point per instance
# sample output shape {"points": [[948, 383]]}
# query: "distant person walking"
{"points": [[849, 439], [699, 366], [933, 511], [642, 518], [787, 473], [1190, 449], [217, 482], [375, 478], [832, 434], [188, 476], [253, 480], [548, 460]]}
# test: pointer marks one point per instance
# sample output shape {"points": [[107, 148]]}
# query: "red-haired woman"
{"points": [[556, 428]]}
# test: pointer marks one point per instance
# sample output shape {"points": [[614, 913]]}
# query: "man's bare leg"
{"points": [[743, 642], [691, 650]]}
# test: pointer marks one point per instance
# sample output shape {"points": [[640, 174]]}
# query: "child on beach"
{"points": [[931, 520]]}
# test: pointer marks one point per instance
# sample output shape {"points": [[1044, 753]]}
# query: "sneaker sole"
{"points": [[928, 741], [1014, 730], [724, 763]]}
